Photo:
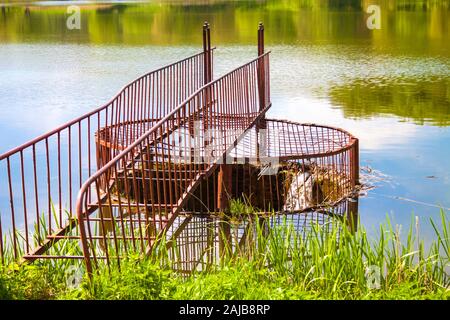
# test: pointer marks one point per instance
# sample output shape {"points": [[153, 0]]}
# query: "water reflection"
{"points": [[389, 87], [198, 242], [418, 27], [417, 100]]}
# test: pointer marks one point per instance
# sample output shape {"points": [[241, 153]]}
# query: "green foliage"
{"points": [[326, 262], [241, 208], [31, 282], [242, 280], [136, 279]]}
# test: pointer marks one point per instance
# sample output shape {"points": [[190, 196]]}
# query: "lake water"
{"points": [[389, 87]]}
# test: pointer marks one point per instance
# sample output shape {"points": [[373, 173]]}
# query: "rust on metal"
{"points": [[172, 146]]}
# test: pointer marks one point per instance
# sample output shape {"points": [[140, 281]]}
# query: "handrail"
{"points": [[159, 124], [124, 186], [93, 112], [39, 178]]}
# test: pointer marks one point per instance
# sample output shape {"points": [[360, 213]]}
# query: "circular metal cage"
{"points": [[298, 167], [276, 165]]}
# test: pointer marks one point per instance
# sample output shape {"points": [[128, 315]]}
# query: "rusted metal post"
{"points": [[224, 238], [224, 186], [207, 76], [352, 203], [207, 65], [355, 162], [223, 201], [261, 89], [352, 214], [261, 76]]}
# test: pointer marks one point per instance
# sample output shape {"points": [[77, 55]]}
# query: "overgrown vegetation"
{"points": [[279, 263]]}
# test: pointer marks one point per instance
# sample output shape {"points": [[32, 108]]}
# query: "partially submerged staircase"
{"points": [[165, 149], [140, 192]]}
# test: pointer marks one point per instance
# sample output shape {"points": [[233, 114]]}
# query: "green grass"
{"points": [[325, 263]]}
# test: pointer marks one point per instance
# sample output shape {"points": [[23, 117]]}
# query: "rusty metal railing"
{"points": [[136, 196], [40, 179], [311, 167], [157, 146]]}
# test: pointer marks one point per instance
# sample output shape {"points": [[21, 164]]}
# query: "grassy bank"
{"points": [[323, 263]]}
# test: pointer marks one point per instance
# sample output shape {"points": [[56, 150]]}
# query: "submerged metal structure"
{"points": [[173, 145]]}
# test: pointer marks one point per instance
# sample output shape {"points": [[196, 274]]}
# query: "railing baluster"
{"points": [[59, 177], [69, 137], [137, 164], [11, 200], [49, 194], [36, 195], [24, 197]]}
